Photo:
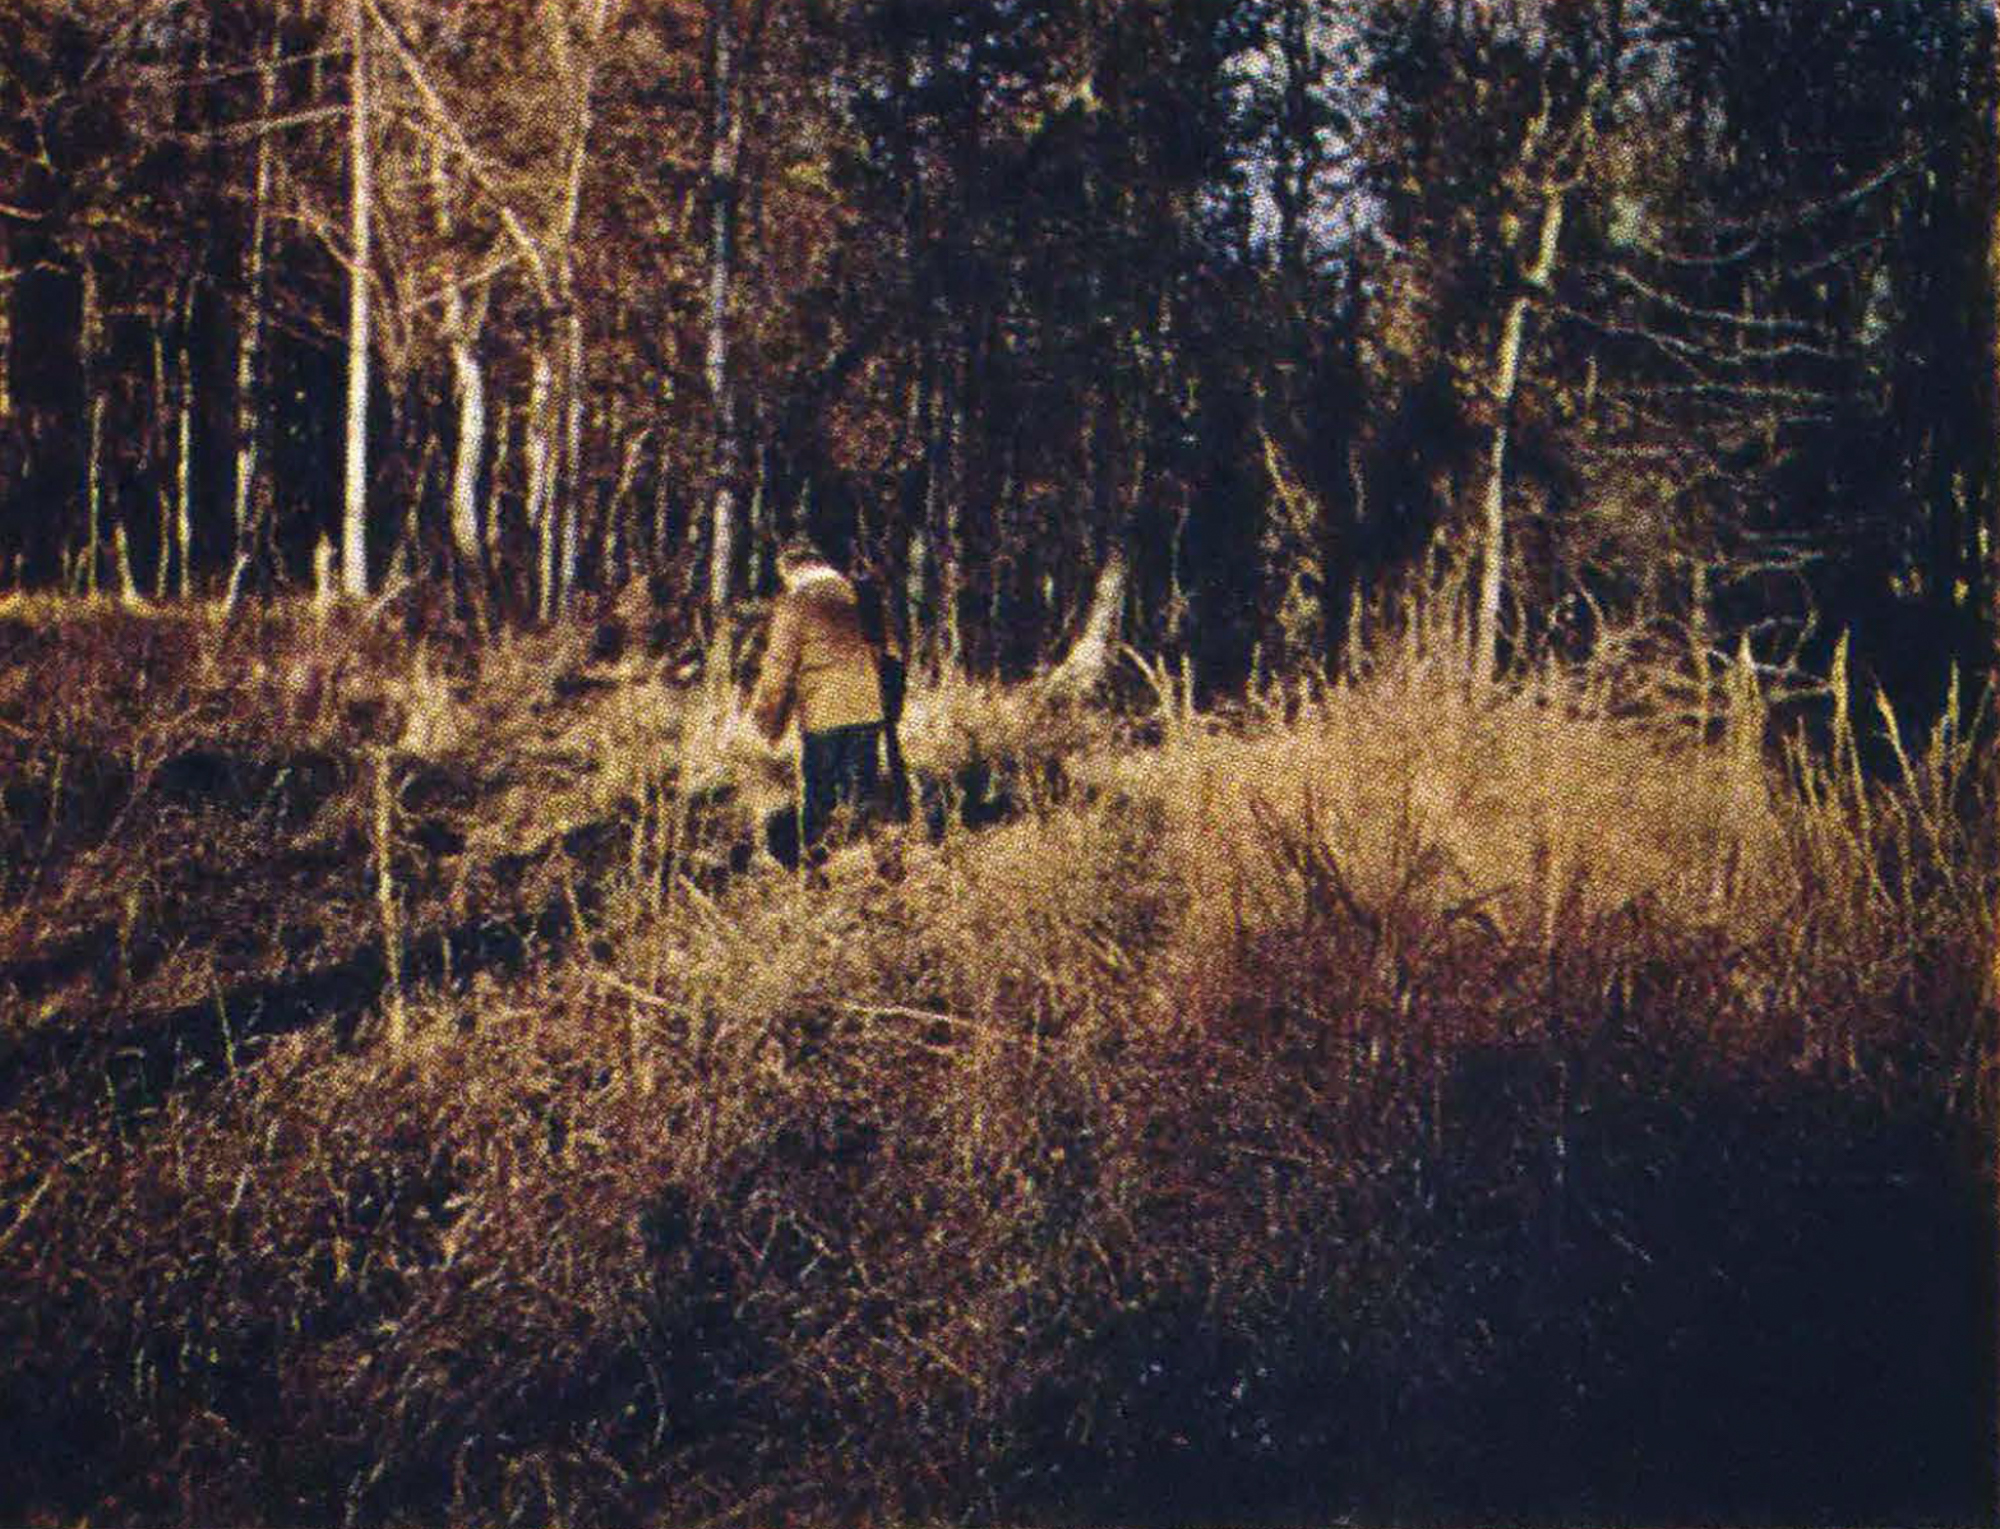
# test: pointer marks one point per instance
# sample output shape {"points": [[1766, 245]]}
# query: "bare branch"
{"points": [[257, 128], [454, 138], [1715, 315], [1739, 390], [464, 284], [1692, 352], [1838, 257], [216, 75], [1805, 212]]}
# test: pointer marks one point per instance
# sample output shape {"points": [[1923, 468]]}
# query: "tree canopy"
{"points": [[1670, 310]]}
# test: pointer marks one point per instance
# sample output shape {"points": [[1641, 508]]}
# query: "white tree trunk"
{"points": [[463, 322], [469, 383], [1506, 382], [354, 516], [724, 159]]}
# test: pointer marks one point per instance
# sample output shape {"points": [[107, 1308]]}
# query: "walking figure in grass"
{"points": [[830, 665]]}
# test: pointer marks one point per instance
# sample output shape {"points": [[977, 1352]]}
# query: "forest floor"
{"points": [[424, 1100]]}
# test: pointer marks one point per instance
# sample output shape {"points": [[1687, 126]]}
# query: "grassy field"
{"points": [[423, 1101]]}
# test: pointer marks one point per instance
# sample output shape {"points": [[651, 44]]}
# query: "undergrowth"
{"points": [[425, 1102]]}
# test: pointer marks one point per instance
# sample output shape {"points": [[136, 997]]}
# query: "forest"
{"points": [[1446, 966], [1676, 313]]}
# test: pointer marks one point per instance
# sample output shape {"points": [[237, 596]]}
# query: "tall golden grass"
{"points": [[1302, 1082]]}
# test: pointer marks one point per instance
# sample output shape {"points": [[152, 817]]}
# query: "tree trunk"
{"points": [[951, 547], [725, 156], [566, 488], [941, 521], [463, 322], [569, 496], [761, 519], [7, 280], [503, 440], [1088, 663], [1507, 372], [93, 471], [128, 587], [183, 528], [469, 388], [540, 463], [250, 340], [621, 536], [469, 382], [354, 517], [162, 411], [663, 514]]}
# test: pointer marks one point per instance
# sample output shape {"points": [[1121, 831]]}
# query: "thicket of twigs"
{"points": [[423, 1104]]}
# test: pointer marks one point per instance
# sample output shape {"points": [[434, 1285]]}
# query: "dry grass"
{"points": [[1341, 1088]]}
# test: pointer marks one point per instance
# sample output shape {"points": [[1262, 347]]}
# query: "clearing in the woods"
{"points": [[424, 1099]]}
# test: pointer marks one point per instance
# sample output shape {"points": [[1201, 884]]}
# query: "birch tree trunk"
{"points": [[463, 322], [469, 385], [354, 516], [724, 158], [1506, 382], [951, 543]]}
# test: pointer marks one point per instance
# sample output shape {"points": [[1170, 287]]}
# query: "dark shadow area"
{"points": [[1675, 1296]]}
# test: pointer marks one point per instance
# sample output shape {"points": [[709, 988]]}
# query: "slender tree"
{"points": [[725, 158], [354, 516], [245, 504]]}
